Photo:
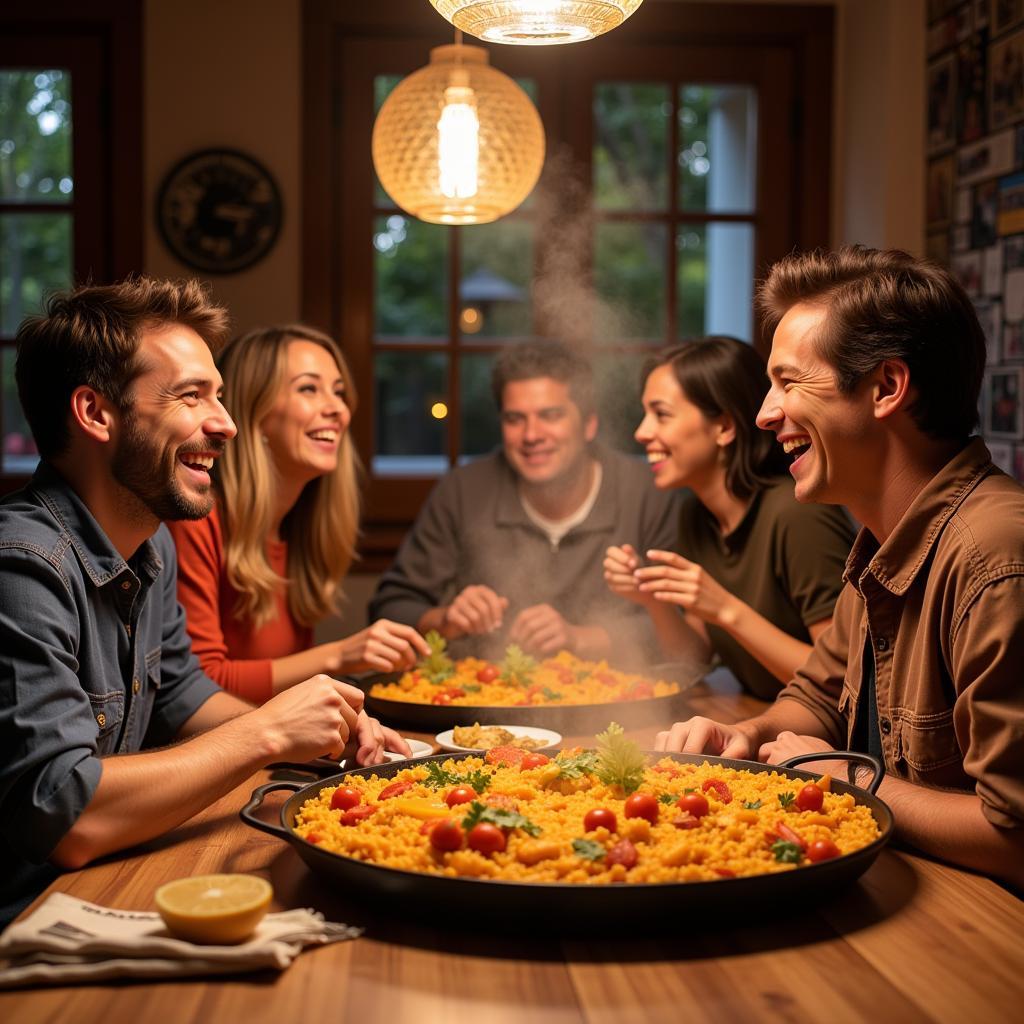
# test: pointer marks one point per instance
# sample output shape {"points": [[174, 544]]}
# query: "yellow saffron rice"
{"points": [[734, 839], [563, 679]]}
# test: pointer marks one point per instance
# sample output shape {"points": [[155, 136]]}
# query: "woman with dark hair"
{"points": [[757, 573]]}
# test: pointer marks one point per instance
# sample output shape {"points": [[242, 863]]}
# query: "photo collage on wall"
{"points": [[974, 193]]}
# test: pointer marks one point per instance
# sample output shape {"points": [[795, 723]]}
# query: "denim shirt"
{"points": [[94, 660]]}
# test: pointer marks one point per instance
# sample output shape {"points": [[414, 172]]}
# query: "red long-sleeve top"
{"points": [[229, 649]]}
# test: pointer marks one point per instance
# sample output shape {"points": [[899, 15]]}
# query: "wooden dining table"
{"points": [[913, 940]]}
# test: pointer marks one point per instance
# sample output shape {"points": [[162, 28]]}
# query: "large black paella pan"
{"points": [[450, 897]]}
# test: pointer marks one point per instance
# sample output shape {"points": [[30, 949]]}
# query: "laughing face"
{"points": [[544, 434], [176, 427], [308, 420], [823, 431], [683, 446]]}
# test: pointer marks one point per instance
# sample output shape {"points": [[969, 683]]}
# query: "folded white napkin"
{"points": [[69, 941]]}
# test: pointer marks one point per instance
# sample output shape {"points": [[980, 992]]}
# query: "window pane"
{"points": [[410, 411], [410, 264], [717, 148], [19, 453], [629, 278], [617, 380], [480, 430], [631, 146], [715, 280], [494, 293], [35, 136], [35, 259]]}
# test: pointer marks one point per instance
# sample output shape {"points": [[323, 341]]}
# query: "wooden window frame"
{"points": [[337, 272], [101, 43]]}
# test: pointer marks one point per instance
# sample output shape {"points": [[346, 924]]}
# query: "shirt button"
{"points": [[136, 686], [882, 644], [127, 585], [886, 726], [101, 719]]}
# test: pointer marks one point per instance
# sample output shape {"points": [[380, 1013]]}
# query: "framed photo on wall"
{"points": [[1006, 81], [1004, 408], [942, 104]]}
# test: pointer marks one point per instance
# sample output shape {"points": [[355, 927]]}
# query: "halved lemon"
{"points": [[219, 909]]}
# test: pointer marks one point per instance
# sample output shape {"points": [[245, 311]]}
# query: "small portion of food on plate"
{"points": [[519, 680], [587, 816], [483, 737]]}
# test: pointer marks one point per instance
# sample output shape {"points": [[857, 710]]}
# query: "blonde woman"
{"points": [[265, 566]]}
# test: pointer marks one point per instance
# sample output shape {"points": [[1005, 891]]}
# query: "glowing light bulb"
{"points": [[458, 139], [439, 410]]}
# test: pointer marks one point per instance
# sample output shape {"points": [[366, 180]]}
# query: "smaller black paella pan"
{"points": [[584, 905]]}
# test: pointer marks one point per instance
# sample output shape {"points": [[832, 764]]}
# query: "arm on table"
{"points": [[141, 796]]}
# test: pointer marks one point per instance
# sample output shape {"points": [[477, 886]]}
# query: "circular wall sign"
{"points": [[219, 210]]}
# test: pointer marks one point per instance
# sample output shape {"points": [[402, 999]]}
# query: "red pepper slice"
{"points": [[395, 789], [725, 872], [357, 814], [783, 831], [723, 791]]}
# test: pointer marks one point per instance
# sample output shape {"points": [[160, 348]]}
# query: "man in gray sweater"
{"points": [[509, 549]]}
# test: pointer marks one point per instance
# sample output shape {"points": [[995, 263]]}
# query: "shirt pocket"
{"points": [[926, 742], [108, 713]]}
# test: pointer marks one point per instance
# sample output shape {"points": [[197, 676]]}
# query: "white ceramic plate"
{"points": [[548, 736], [419, 749]]}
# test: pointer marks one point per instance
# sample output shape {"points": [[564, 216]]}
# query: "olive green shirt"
{"points": [[784, 559]]}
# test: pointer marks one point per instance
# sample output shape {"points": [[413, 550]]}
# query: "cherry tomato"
{"points": [[606, 679], [395, 789], [642, 805], [486, 838], [314, 837], [720, 788], [599, 817], [447, 695], [344, 798], [810, 798], [533, 761], [694, 803], [822, 849], [460, 795], [441, 698], [446, 836], [641, 691], [624, 853], [356, 814], [504, 755], [487, 674]]}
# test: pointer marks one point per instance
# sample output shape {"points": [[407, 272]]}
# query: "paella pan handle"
{"points": [[248, 812], [868, 760]]}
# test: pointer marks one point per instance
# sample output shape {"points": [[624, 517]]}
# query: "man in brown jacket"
{"points": [[876, 365]]}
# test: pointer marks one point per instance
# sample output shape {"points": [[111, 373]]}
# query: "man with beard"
{"points": [[875, 369], [119, 386], [510, 548]]}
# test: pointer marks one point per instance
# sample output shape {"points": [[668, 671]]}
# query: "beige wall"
{"points": [[227, 73]]}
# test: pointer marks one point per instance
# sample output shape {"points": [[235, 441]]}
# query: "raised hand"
{"points": [[476, 609], [676, 580], [542, 630], [385, 646], [620, 565]]}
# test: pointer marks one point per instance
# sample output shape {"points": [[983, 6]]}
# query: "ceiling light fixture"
{"points": [[458, 142], [535, 22]]}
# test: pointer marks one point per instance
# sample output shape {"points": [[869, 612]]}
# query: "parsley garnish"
{"points": [[588, 849], [438, 777], [471, 687], [620, 762], [517, 666], [550, 694], [499, 816], [437, 666], [577, 766], [786, 799], [752, 805], [667, 798], [786, 853]]}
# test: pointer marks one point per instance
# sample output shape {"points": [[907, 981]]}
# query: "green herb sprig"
{"points": [[436, 666], [787, 853], [588, 849], [786, 799], [500, 816], [437, 777], [620, 762]]}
